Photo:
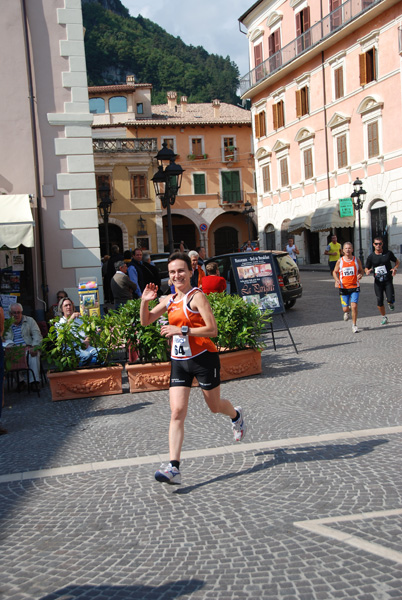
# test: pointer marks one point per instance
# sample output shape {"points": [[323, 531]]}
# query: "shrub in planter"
{"points": [[240, 328], [68, 381], [147, 341], [104, 334], [240, 324]]}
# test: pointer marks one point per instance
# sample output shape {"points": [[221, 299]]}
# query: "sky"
{"points": [[212, 24]]}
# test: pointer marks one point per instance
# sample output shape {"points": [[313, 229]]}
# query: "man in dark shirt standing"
{"points": [[379, 263]]}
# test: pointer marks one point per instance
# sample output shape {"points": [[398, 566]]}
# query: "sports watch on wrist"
{"points": [[184, 330]]}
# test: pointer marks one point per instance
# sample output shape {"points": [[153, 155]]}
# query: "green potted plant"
{"points": [[241, 326], [67, 380], [152, 369]]}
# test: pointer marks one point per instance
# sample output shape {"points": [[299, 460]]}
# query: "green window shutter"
{"points": [[199, 183], [231, 186]]}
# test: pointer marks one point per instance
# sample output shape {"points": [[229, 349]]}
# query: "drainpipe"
{"points": [[35, 155], [325, 125], [325, 106]]}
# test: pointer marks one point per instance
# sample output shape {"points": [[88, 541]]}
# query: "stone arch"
{"points": [[124, 231]]}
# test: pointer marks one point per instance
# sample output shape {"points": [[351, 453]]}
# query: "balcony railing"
{"points": [[400, 39], [231, 197], [125, 145], [329, 25]]}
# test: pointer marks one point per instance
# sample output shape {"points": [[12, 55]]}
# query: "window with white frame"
{"points": [[197, 146], [368, 57], [338, 72], [370, 110], [266, 178], [308, 163], [305, 138], [281, 149], [284, 171], [341, 151], [339, 125]]}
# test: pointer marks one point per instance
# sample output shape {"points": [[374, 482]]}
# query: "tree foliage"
{"points": [[118, 45]]}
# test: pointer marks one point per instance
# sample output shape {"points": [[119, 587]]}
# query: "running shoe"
{"points": [[384, 321], [168, 474], [239, 426], [355, 329], [346, 316], [391, 306]]}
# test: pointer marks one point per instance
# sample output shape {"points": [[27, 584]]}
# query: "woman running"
{"points": [[191, 325]]}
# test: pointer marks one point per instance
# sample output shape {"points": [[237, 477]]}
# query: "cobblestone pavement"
{"points": [[308, 507]]}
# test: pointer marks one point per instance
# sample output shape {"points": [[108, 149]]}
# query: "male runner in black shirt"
{"points": [[379, 263]]}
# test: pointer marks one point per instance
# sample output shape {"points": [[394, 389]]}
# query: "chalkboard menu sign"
{"points": [[257, 281]]}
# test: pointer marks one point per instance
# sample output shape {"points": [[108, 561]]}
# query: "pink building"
{"points": [[46, 149], [325, 86]]}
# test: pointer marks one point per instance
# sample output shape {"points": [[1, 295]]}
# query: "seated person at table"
{"points": [[53, 311], [25, 332], [88, 354], [213, 282]]}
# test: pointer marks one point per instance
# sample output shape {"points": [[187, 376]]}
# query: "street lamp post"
{"points": [[105, 207], [358, 197], [248, 211], [167, 182]]}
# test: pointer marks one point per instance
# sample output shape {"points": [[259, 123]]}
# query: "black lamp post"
{"points": [[358, 197], [167, 182], [105, 207], [248, 211]]}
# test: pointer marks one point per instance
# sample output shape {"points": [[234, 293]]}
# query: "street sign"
{"points": [[203, 227], [346, 208]]}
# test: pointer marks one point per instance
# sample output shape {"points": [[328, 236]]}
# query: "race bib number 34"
{"points": [[181, 346]]}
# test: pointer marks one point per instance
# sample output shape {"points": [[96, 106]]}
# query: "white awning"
{"points": [[16, 221], [327, 216], [299, 223]]}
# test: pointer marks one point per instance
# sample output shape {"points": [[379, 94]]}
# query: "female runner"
{"points": [[191, 325]]}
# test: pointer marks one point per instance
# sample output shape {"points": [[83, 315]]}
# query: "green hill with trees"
{"points": [[117, 45]]}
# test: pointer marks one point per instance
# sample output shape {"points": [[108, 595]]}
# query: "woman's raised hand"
{"points": [[150, 292]]}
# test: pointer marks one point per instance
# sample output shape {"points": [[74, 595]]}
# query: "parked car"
{"points": [[286, 269], [160, 260]]}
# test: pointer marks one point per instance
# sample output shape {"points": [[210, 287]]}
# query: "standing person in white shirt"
{"points": [[292, 249]]}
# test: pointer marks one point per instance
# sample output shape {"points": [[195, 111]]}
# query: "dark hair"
{"points": [[135, 250], [181, 256], [115, 249], [212, 268], [379, 238], [127, 255]]}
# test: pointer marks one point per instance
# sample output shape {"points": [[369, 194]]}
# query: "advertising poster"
{"points": [[257, 281], [6, 302]]}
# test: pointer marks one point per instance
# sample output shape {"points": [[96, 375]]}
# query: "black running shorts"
{"points": [[205, 367]]}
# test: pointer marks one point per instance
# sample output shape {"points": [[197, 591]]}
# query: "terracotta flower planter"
{"points": [[155, 376], [85, 383], [243, 363]]}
